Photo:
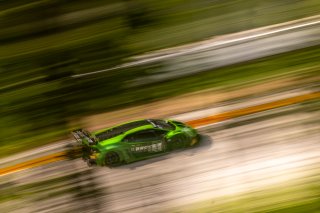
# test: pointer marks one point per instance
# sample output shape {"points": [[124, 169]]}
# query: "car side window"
{"points": [[159, 134], [128, 138], [141, 136]]}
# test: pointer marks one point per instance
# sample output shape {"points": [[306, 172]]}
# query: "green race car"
{"points": [[134, 141]]}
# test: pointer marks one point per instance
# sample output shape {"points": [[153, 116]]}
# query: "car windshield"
{"points": [[161, 124]]}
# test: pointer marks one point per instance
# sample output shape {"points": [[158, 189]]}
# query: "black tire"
{"points": [[112, 159], [177, 142]]}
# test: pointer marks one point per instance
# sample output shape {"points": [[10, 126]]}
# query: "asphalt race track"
{"points": [[234, 157]]}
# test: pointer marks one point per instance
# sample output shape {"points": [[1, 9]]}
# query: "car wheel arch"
{"points": [[116, 151]]}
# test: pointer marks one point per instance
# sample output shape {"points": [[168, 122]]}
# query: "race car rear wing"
{"points": [[83, 136]]}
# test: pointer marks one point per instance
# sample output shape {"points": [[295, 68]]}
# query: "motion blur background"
{"points": [[69, 64]]}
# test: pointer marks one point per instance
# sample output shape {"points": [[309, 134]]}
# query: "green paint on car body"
{"points": [[135, 140]]}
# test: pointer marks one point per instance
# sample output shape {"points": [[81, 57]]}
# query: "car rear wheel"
{"points": [[112, 159]]}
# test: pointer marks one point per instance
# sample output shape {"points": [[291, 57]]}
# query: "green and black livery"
{"points": [[134, 141]]}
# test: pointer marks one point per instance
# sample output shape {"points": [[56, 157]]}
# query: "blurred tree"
{"points": [[138, 13]]}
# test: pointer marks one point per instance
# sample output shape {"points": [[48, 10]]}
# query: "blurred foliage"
{"points": [[45, 42]]}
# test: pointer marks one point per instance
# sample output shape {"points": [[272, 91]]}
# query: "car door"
{"points": [[145, 143]]}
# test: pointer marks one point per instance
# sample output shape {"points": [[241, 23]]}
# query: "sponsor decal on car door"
{"points": [[145, 143]]}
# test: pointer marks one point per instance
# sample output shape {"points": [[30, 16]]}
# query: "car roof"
{"points": [[111, 132]]}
